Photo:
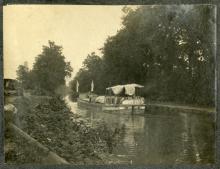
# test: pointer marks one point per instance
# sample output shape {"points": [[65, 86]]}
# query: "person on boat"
{"points": [[90, 96]]}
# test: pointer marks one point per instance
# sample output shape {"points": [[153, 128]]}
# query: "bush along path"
{"points": [[53, 124]]}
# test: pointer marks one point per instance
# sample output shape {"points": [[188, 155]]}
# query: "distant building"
{"points": [[10, 84], [11, 87]]}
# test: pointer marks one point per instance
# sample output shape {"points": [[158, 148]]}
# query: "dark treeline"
{"points": [[168, 49]]}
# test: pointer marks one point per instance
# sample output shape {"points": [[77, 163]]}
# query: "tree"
{"points": [[91, 70], [23, 75], [168, 49], [50, 68]]}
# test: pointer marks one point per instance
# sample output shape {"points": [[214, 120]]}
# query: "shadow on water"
{"points": [[159, 138]]}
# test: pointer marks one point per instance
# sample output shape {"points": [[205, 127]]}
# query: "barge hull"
{"points": [[104, 107]]}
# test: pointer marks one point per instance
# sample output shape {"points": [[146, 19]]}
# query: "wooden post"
{"points": [[132, 110]]}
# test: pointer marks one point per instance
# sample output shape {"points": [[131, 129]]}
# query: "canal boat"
{"points": [[117, 98]]}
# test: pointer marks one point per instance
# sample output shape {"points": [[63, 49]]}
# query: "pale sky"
{"points": [[79, 29]]}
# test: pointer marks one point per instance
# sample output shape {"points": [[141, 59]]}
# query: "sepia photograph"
{"points": [[109, 84]]}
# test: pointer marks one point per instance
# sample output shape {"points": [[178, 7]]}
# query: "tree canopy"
{"points": [[49, 69], [92, 66], [23, 74], [168, 49]]}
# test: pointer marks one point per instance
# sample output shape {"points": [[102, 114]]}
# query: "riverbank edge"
{"points": [[174, 108], [46, 156]]}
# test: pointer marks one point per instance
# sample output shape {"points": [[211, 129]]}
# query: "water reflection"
{"points": [[160, 138]]}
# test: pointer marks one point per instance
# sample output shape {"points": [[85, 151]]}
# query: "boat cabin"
{"points": [[124, 94], [117, 98]]}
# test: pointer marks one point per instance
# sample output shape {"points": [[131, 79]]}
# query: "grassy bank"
{"points": [[50, 121]]}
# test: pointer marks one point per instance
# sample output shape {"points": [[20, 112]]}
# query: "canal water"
{"points": [[161, 138]]}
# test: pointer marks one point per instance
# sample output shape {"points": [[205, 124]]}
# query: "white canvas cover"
{"points": [[138, 101], [100, 99], [117, 89], [129, 89]]}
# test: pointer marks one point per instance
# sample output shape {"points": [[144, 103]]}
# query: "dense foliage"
{"points": [[51, 122], [168, 49], [91, 70], [49, 70]]}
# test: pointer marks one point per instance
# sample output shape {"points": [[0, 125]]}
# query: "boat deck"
{"points": [[110, 107]]}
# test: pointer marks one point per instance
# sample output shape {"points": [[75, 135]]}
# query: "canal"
{"points": [[161, 138]]}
